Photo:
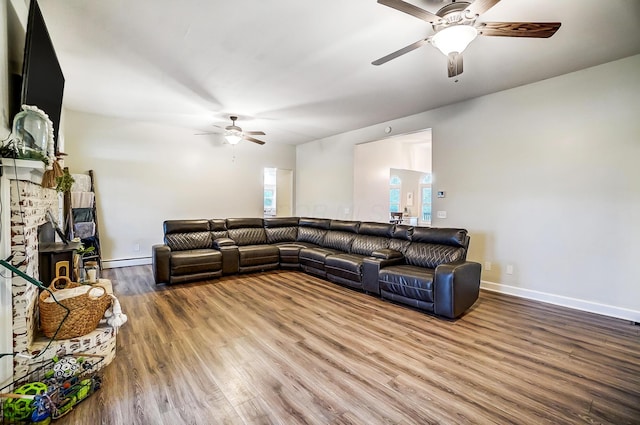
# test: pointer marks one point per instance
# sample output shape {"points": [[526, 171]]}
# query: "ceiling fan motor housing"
{"points": [[453, 14]]}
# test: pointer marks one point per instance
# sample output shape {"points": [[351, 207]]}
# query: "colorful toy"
{"points": [[66, 368], [43, 406], [19, 409]]}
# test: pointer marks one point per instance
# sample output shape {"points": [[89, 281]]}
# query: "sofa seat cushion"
{"points": [[296, 245], [347, 266], [408, 281], [195, 261], [290, 251], [256, 255], [315, 257]]}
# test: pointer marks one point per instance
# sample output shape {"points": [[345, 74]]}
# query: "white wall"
{"points": [[544, 176], [147, 173]]}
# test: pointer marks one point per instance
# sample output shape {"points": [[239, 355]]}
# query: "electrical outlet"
{"points": [[487, 265], [442, 214], [509, 268], [136, 247]]}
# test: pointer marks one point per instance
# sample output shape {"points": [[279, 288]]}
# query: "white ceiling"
{"points": [[301, 70]]}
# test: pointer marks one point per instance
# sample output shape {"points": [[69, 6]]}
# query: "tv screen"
{"points": [[42, 78]]}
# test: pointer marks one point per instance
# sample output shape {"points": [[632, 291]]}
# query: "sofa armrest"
{"points": [[386, 254], [230, 259], [161, 261], [371, 268], [220, 242], [456, 288]]}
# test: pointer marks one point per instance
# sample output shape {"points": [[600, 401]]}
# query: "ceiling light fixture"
{"points": [[233, 134], [454, 39]]}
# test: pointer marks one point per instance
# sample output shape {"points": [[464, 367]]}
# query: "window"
{"points": [[425, 199], [395, 186], [269, 198]]}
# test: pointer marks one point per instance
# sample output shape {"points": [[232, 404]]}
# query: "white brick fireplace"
{"points": [[24, 203]]}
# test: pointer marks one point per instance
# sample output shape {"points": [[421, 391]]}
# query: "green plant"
{"points": [[64, 182], [34, 155], [10, 150], [88, 250]]}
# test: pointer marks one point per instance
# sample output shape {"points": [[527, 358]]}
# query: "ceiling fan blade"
{"points": [[412, 10], [519, 29], [205, 134], [251, 139], [478, 7], [454, 64], [256, 133], [400, 52]]}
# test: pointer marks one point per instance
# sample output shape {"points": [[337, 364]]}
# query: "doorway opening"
{"points": [[393, 176], [278, 192]]}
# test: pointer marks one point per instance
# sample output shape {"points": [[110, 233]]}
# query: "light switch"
{"points": [[442, 214]]}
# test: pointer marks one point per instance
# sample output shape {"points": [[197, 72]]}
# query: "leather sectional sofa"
{"points": [[423, 267]]}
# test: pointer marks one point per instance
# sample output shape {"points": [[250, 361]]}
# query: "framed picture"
{"points": [[409, 199]]}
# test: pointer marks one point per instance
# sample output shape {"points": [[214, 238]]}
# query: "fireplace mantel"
{"points": [[22, 169]]}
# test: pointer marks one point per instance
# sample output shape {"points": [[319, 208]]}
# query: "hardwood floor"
{"points": [[285, 347]]}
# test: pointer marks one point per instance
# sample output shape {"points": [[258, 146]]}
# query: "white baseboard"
{"points": [[590, 306], [126, 262]]}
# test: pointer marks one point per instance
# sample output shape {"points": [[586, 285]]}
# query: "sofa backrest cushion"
{"points": [[189, 240], [280, 222], [366, 244], [401, 237], [246, 231], [318, 223], [344, 226], [403, 232], [338, 240], [185, 226], [440, 236], [248, 236], [312, 230], [311, 235], [181, 235], [432, 255], [281, 229], [237, 223], [281, 234], [376, 229], [218, 228]]}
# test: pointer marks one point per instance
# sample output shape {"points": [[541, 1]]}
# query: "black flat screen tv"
{"points": [[42, 78]]}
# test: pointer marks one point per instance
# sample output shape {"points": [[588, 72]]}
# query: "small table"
{"points": [[49, 253]]}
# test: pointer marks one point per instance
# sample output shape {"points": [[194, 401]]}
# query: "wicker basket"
{"points": [[85, 311]]}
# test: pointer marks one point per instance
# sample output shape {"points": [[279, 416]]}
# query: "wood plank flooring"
{"points": [[284, 347]]}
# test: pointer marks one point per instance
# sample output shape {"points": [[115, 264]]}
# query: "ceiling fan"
{"points": [[234, 134], [455, 27]]}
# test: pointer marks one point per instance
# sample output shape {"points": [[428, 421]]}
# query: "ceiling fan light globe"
{"points": [[455, 38], [233, 136]]}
